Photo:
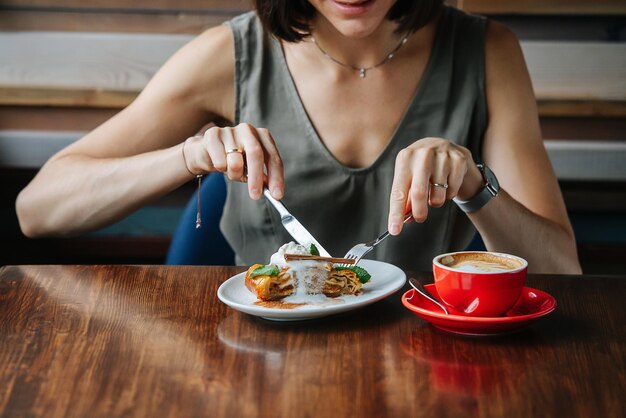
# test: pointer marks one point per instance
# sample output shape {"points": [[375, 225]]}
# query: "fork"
{"points": [[357, 252]]}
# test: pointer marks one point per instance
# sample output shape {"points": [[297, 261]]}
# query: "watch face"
{"points": [[491, 178]]}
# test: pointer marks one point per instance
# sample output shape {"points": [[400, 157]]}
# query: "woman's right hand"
{"points": [[244, 153]]}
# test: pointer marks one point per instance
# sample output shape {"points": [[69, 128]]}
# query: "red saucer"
{"points": [[533, 305]]}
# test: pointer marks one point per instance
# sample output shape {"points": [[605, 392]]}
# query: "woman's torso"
{"points": [[334, 95], [339, 204]]}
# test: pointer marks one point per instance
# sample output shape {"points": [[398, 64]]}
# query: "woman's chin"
{"points": [[354, 18], [352, 32]]}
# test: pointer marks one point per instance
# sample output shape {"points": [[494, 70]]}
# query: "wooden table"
{"points": [[155, 341]]}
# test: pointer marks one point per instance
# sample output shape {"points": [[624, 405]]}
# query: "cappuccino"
{"points": [[479, 262], [479, 283]]}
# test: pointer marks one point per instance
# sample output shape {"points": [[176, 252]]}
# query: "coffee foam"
{"points": [[480, 262]]}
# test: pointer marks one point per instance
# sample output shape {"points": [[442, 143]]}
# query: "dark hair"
{"points": [[289, 19]]}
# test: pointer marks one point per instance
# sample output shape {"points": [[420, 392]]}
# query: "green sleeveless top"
{"points": [[342, 206]]}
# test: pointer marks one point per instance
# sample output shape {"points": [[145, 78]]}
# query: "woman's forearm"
{"points": [[75, 194], [507, 226]]}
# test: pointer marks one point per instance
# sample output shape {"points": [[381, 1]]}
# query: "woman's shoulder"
{"points": [[204, 64], [473, 34], [500, 36], [211, 52], [503, 52]]}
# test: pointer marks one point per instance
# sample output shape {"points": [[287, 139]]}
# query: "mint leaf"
{"points": [[361, 273], [313, 250], [269, 270]]}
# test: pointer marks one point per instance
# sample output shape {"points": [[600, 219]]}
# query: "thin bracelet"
{"points": [[199, 177], [185, 158]]}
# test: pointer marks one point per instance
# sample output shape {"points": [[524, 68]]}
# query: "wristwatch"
{"points": [[489, 191]]}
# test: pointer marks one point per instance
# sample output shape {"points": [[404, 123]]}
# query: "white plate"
{"points": [[386, 279]]}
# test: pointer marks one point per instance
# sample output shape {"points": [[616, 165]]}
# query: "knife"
{"points": [[293, 226]]}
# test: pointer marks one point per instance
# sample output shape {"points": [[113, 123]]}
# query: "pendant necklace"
{"points": [[363, 70]]}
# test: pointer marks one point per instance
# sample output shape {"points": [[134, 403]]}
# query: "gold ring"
{"points": [[232, 150], [442, 185]]}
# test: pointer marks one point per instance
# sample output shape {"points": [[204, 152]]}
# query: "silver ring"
{"points": [[233, 150], [442, 185]]}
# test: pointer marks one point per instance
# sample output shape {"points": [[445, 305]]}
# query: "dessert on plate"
{"points": [[297, 271]]}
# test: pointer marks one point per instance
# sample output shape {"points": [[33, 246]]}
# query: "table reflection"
{"points": [[468, 365]]}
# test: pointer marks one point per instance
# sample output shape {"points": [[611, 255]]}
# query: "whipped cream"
{"points": [[278, 258]]}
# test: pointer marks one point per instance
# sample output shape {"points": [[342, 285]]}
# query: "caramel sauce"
{"points": [[277, 304]]}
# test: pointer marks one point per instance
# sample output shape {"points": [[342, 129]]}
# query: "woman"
{"points": [[353, 112]]}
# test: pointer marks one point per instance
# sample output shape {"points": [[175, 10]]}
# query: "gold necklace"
{"points": [[363, 70]]}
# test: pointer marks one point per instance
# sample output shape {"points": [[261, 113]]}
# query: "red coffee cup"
{"points": [[479, 283]]}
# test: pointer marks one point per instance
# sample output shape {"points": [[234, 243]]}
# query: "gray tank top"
{"points": [[342, 206]]}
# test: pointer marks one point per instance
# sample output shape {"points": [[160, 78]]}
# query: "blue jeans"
{"points": [[207, 245]]}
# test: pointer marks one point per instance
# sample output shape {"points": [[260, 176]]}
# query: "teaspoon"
{"points": [[420, 289]]}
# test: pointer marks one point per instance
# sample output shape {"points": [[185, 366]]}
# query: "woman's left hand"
{"points": [[428, 173]]}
